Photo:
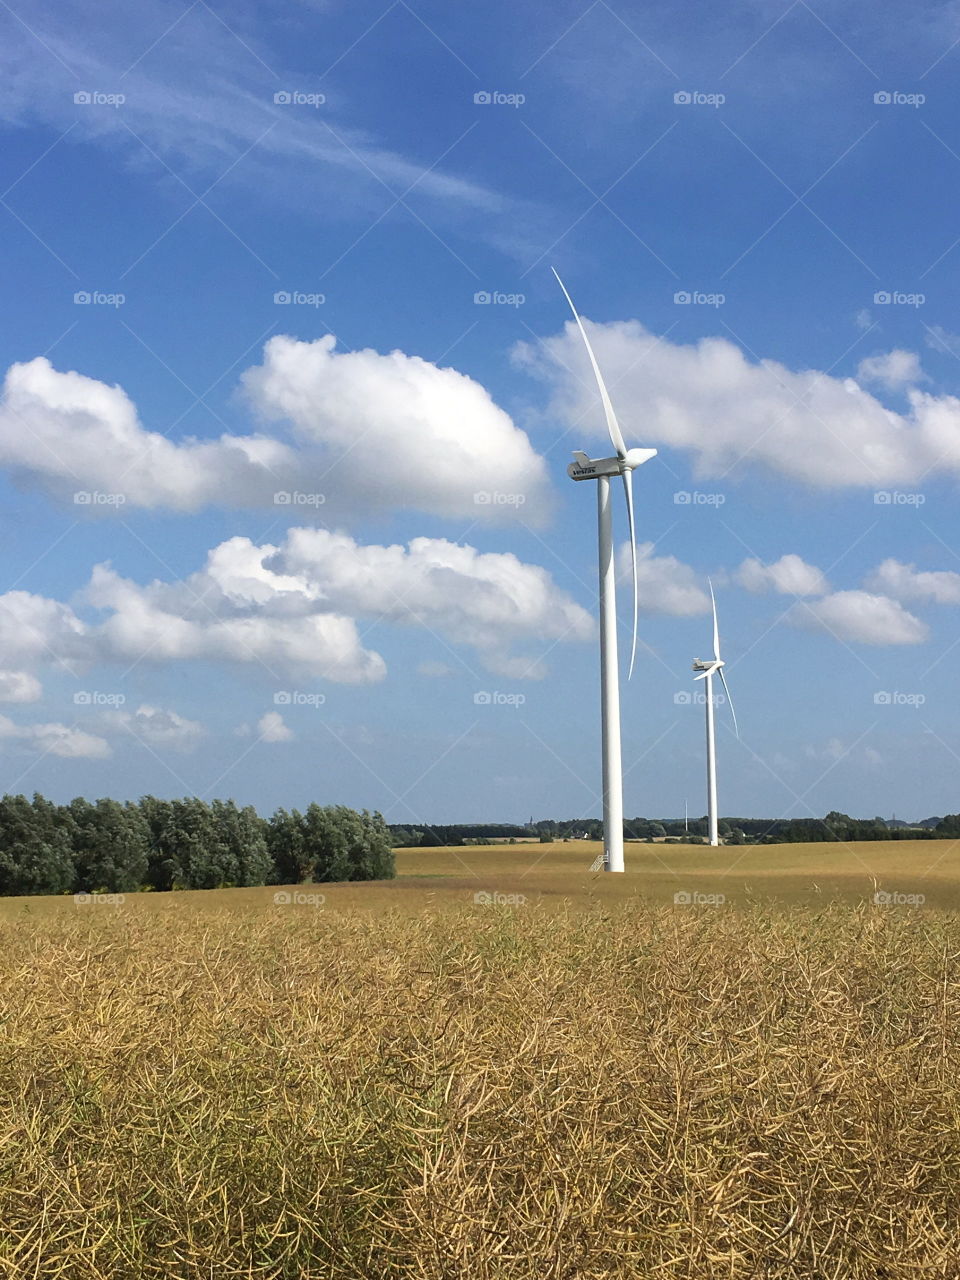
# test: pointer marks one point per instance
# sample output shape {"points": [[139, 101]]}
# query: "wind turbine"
{"points": [[707, 671], [601, 469]]}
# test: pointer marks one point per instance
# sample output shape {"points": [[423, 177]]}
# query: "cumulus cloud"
{"points": [[158, 728], [166, 622], [368, 431], [728, 411], [488, 600], [665, 585], [861, 618], [55, 739], [36, 629], [19, 686], [397, 429], [906, 582], [294, 608], [77, 436], [272, 728], [790, 575], [892, 370]]}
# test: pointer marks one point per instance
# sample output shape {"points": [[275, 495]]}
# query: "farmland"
{"points": [[577, 1079]]}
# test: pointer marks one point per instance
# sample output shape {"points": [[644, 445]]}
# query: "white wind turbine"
{"points": [[601, 469], [707, 671]]}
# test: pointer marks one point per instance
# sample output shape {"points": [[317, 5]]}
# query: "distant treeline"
{"points": [[109, 847], [834, 826]]}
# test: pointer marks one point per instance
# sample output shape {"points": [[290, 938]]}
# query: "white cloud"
{"points": [[204, 101], [36, 629], [177, 622], [790, 575], [730, 412], [55, 740], [294, 608], [372, 432], [158, 728], [489, 600], [77, 436], [863, 319], [273, 729], [940, 339], [861, 618], [19, 686], [905, 582], [835, 750], [665, 585], [893, 370], [396, 429]]}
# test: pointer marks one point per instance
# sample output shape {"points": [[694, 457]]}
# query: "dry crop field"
{"points": [[402, 1082]]}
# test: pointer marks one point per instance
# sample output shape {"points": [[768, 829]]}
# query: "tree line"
{"points": [[106, 846], [834, 826]]}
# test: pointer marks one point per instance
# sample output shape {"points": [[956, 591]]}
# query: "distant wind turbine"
{"points": [[707, 671], [601, 469]]}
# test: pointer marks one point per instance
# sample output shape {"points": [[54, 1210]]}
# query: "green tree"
{"points": [[111, 844], [241, 844], [285, 844], [342, 844], [36, 852]]}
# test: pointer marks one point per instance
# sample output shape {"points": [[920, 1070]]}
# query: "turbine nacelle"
{"points": [[586, 468], [706, 668]]}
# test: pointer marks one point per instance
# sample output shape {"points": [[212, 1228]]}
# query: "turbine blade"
{"points": [[716, 629], [709, 672], [628, 490], [723, 680], [613, 427]]}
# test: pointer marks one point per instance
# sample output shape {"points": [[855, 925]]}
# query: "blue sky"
{"points": [[792, 169]]}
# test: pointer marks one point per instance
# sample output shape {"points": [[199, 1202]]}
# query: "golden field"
{"points": [[400, 1082]]}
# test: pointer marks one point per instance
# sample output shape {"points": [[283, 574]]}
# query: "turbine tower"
{"points": [[601, 469], [707, 671]]}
